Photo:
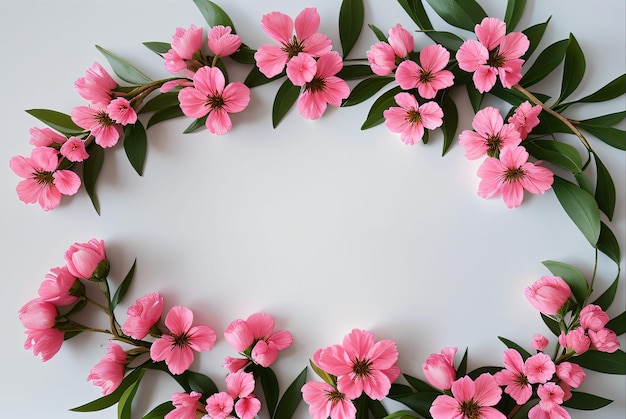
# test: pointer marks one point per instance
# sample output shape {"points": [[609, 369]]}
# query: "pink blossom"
{"points": [[431, 76], [551, 397], [410, 119], [471, 399], [576, 340], [97, 85], [383, 56], [210, 95], [46, 342], [87, 260], [57, 286], [143, 315], [494, 54], [324, 88], [593, 317], [539, 368], [301, 69], [548, 294], [439, 368], [45, 137], [235, 364], [539, 342], [109, 372], [514, 377], [177, 348], [38, 314], [74, 150], [185, 405], [172, 84], [222, 42], [490, 135], [238, 396], [525, 118], [271, 59], [604, 340], [43, 183], [361, 364], [185, 44], [326, 401], [121, 111], [219, 405], [510, 175], [97, 120], [571, 373]]}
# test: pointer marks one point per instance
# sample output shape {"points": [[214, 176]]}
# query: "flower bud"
{"points": [[604, 340], [548, 294], [38, 314], [88, 260], [576, 340], [571, 373], [143, 315], [592, 317], [439, 368]]}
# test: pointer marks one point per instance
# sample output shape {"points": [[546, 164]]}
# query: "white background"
{"points": [[324, 226]]}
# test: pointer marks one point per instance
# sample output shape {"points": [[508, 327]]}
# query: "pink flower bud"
{"points": [[143, 315], [222, 42], [548, 294], [264, 353], [238, 335], [235, 364], [57, 286], [439, 368], [46, 342], [109, 372], [576, 340], [604, 340], [571, 373], [38, 314], [592, 317], [87, 260], [539, 342]]}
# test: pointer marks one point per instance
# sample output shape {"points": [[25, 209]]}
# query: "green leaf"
{"points": [[159, 48], [376, 408], [356, 71], [401, 414], [91, 171], [420, 403], [380, 35], [607, 120], [418, 384], [573, 68], [269, 383], [56, 120], [123, 69], [136, 145], [514, 11], [160, 411], [285, 98], [574, 278], [123, 288], [475, 97], [462, 369], [606, 299], [124, 406], [256, 78], [449, 40], [384, 102], [474, 374], [612, 136], [450, 122], [605, 189], [291, 398], [552, 324], [545, 63], [607, 244], [585, 401], [584, 182], [165, 114], [618, 324], [351, 17], [613, 89], [366, 89], [534, 35], [200, 383], [213, 14], [609, 363], [244, 55], [415, 10], [161, 101], [512, 345], [558, 153], [326, 377], [464, 14], [114, 397], [195, 125], [581, 208]]}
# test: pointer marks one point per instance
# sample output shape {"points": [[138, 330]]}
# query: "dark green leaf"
{"points": [[269, 383], [465, 14], [361, 407], [545, 63], [450, 121], [512, 345], [285, 98], [418, 402], [609, 363], [612, 90], [475, 97], [256, 78], [136, 145], [160, 411], [351, 17], [515, 97], [356, 71], [534, 35], [56, 120], [552, 324], [514, 11], [581, 208], [200, 383], [91, 171], [213, 14], [418, 384], [584, 401], [164, 115], [574, 278], [607, 244], [402, 414], [523, 412], [462, 369], [618, 324], [376, 408], [124, 406], [612, 136], [449, 40], [366, 89], [121, 290], [123, 69], [606, 120], [114, 397], [584, 182], [380, 35], [195, 125], [159, 48], [573, 68], [291, 398], [558, 153], [605, 189], [415, 10], [474, 374], [244, 55], [384, 102], [160, 102], [607, 297]]}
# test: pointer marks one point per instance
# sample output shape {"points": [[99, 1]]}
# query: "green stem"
{"points": [[514, 411], [98, 305]]}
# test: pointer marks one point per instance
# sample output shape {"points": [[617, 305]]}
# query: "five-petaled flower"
{"points": [[470, 399], [429, 77], [325, 401], [410, 118], [384, 56], [489, 136]]}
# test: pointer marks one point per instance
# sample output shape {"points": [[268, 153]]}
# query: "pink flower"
{"points": [[74, 150], [548, 294], [38, 314], [439, 368], [87, 260], [121, 111], [326, 401], [539, 368], [525, 118], [576, 340], [210, 95], [593, 317], [57, 286], [46, 342], [383, 56], [539, 342], [271, 59], [571, 373], [177, 348], [43, 183], [97, 85], [235, 364], [97, 120], [238, 396], [185, 405], [143, 315], [222, 42], [219, 405], [431, 76], [185, 44], [490, 135], [551, 396], [45, 137], [494, 54], [301, 69], [514, 377], [172, 84], [604, 340], [472, 399], [361, 365], [109, 372], [410, 118], [324, 88], [511, 175]]}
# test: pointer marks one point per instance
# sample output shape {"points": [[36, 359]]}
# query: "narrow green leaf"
{"points": [[200, 383], [196, 125], [449, 40], [351, 16], [114, 397], [613, 89], [159, 102], [515, 98], [160, 411], [291, 398], [401, 414], [545, 63], [91, 171], [462, 369], [609, 363], [558, 153], [56, 120], [607, 244], [356, 71], [159, 48], [326, 377], [285, 98], [124, 406], [612, 136], [580, 206], [573, 68], [415, 10], [380, 35], [450, 122], [165, 114], [244, 55], [606, 299], [420, 403], [513, 13], [475, 97], [534, 34], [213, 14], [607, 120], [552, 324], [136, 145], [584, 182], [123, 288], [366, 89], [585, 401], [474, 374], [574, 278], [605, 189], [376, 409], [418, 384], [512, 345], [523, 412], [124, 69], [618, 324], [256, 78], [269, 383], [384, 102], [463, 14]]}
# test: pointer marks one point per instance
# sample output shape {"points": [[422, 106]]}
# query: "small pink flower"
{"points": [[539, 368], [510, 175], [222, 42], [121, 111], [490, 135], [235, 364], [210, 95], [514, 377], [324, 88], [143, 315], [74, 150], [571, 373], [548, 294], [38, 314], [45, 137], [87, 260], [431, 76], [177, 349], [172, 84], [471, 399], [494, 54], [271, 59], [109, 372], [576, 340], [238, 396], [97, 85], [301, 69], [383, 56], [551, 396], [46, 342], [326, 401], [592, 317], [56, 287], [219, 405], [97, 120], [525, 118], [185, 405], [43, 183], [410, 119], [185, 43], [439, 368], [604, 340], [539, 342]]}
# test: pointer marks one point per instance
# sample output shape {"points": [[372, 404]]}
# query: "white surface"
{"points": [[323, 226]]}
